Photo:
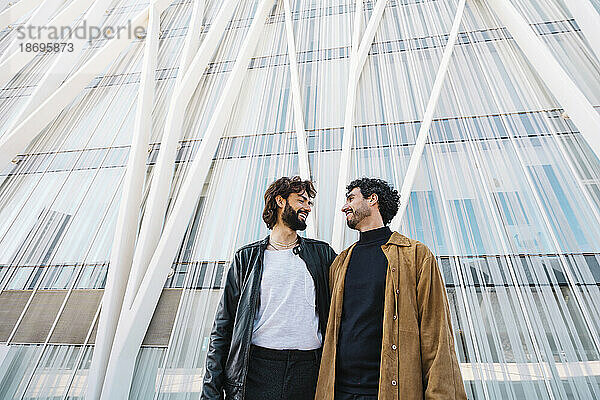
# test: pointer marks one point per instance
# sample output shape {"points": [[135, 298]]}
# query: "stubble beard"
{"points": [[357, 215]]}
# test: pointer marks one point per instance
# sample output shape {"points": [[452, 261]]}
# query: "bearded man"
{"points": [[269, 326], [389, 334]]}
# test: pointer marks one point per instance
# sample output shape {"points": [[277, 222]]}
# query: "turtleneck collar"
{"points": [[372, 235]]}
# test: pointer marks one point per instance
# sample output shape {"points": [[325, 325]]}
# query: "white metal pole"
{"points": [[574, 102], [13, 63], [358, 21], [121, 255], [588, 19], [192, 39], [17, 140], [303, 163], [157, 201], [134, 322], [356, 65], [39, 18], [16, 11], [415, 158], [63, 64]]}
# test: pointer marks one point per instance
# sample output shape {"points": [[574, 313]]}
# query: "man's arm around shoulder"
{"points": [[331, 255]]}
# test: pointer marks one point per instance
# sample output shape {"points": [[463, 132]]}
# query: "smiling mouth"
{"points": [[303, 215]]}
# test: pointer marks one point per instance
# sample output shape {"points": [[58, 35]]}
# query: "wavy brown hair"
{"points": [[283, 187]]}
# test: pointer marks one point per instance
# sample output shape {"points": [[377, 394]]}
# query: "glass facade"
{"points": [[507, 193]]}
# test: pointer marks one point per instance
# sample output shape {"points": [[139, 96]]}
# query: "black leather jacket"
{"points": [[228, 351]]}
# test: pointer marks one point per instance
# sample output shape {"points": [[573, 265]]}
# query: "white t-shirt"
{"points": [[287, 318]]}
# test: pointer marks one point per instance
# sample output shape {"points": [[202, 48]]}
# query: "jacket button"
{"points": [[397, 291], [393, 269], [395, 317], [394, 347], [393, 383]]}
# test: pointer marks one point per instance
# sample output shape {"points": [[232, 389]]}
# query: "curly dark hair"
{"points": [[388, 198], [283, 187]]}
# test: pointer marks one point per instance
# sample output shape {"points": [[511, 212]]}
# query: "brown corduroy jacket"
{"points": [[418, 360]]}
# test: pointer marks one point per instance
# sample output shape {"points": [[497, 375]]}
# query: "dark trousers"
{"points": [[282, 374], [339, 395]]}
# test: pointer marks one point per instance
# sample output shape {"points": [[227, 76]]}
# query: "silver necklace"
{"points": [[282, 246]]}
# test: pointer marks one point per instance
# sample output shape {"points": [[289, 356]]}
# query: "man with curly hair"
{"points": [[389, 334]]}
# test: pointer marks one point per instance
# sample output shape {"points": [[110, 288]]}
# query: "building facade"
{"points": [[506, 194]]}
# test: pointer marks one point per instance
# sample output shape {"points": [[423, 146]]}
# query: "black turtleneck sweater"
{"points": [[361, 326]]}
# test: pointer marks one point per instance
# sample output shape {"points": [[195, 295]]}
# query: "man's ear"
{"points": [[373, 199], [280, 201]]}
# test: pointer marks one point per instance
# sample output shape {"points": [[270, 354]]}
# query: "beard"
{"points": [[357, 215], [291, 219]]}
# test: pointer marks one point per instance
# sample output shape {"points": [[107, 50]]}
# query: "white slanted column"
{"points": [[574, 102], [17, 140], [123, 245], [12, 63], [162, 176], [588, 20], [357, 62], [192, 39], [358, 22], [63, 64], [39, 18], [134, 322], [16, 11], [415, 158], [311, 229]]}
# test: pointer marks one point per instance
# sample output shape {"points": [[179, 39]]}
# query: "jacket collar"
{"points": [[264, 243], [262, 246], [398, 239]]}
